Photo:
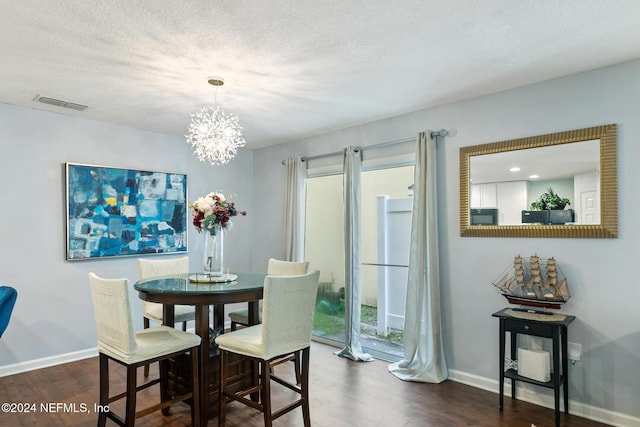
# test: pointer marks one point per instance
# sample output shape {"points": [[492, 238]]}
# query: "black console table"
{"points": [[540, 325]]}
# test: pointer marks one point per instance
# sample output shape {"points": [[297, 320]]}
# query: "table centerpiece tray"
{"points": [[209, 278]]}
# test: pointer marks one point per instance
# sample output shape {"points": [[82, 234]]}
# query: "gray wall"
{"points": [[602, 272], [53, 316]]}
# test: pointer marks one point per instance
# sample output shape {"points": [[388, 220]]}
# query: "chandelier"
{"points": [[214, 135]]}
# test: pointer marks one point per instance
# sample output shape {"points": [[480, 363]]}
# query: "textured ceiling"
{"points": [[296, 68]]}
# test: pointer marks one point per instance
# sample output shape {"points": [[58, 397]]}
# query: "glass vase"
{"points": [[214, 251]]}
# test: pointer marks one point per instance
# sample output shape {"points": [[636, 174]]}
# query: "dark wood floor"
{"points": [[343, 394]]}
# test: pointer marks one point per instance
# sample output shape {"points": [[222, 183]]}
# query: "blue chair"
{"points": [[8, 297]]}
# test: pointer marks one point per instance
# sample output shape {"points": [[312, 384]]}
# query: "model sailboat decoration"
{"points": [[535, 282]]}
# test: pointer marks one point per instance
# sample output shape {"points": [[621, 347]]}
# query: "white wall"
{"points": [[53, 315], [602, 272]]}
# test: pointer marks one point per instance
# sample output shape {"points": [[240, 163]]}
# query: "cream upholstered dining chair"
{"points": [[275, 267], [148, 268], [117, 341], [287, 318]]}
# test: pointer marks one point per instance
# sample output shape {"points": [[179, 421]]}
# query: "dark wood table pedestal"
{"points": [[175, 290]]}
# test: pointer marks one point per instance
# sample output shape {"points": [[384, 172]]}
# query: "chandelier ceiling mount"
{"points": [[215, 80]]}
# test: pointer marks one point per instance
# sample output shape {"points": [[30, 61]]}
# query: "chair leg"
{"points": [[130, 417], [104, 389], [130, 395], [265, 392], [195, 406], [146, 325], [222, 400], [304, 386], [234, 326], [184, 326], [297, 367]]}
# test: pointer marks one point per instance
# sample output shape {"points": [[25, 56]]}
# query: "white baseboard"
{"points": [[527, 393], [46, 362]]}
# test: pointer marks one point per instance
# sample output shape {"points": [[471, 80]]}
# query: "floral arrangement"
{"points": [[211, 210]]}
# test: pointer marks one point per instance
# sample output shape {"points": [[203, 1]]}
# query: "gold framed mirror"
{"points": [[569, 160]]}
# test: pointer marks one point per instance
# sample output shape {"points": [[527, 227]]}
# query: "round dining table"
{"points": [[201, 291]]}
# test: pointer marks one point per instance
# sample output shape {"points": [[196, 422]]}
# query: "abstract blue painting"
{"points": [[119, 212]]}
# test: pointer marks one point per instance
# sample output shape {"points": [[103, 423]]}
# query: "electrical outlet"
{"points": [[574, 351]]}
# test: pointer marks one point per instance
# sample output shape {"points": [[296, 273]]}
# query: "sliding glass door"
{"points": [[324, 249], [385, 222]]}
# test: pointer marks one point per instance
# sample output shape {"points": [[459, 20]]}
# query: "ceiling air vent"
{"points": [[60, 103], [75, 106]]}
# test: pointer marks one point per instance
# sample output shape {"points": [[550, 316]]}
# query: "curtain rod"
{"points": [[339, 153], [434, 134], [386, 144]]}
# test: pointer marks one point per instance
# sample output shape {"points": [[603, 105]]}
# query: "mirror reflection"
{"points": [[508, 188], [563, 184]]}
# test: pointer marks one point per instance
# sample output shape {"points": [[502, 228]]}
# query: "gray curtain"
{"points": [[293, 227], [424, 358], [352, 349]]}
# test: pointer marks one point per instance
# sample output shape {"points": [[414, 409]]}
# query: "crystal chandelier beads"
{"points": [[214, 135]]}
